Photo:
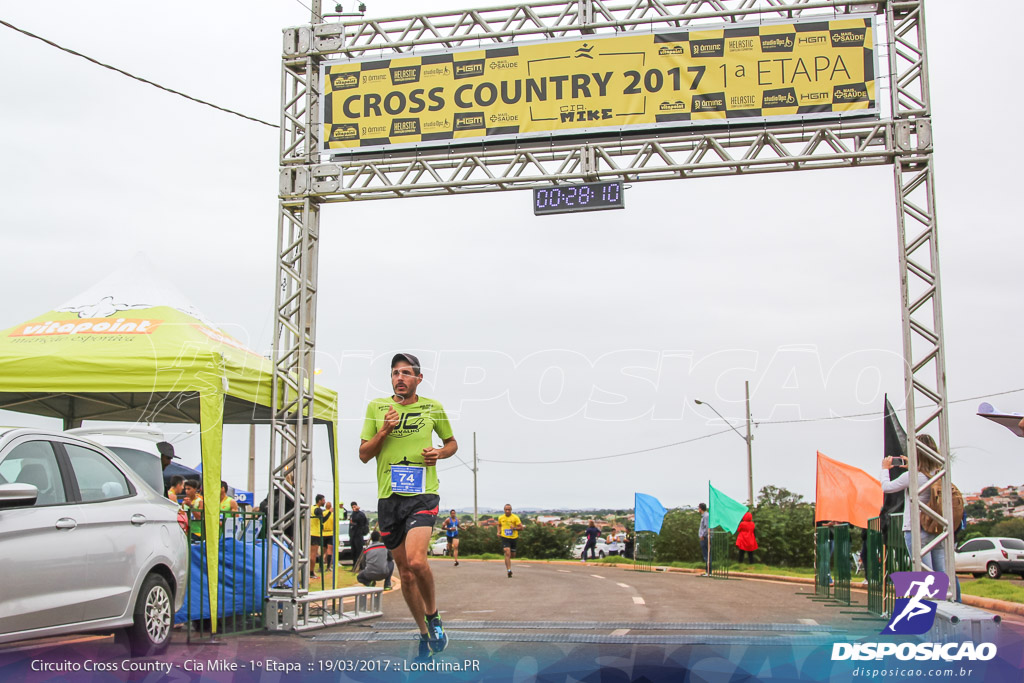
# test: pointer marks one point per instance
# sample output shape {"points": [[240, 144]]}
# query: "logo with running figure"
{"points": [[914, 612]]}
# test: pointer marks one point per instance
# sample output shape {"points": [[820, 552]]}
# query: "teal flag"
{"points": [[649, 513], [725, 512]]}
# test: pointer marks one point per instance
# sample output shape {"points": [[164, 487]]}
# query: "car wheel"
{"points": [[977, 575], [154, 611], [994, 572], [601, 554]]}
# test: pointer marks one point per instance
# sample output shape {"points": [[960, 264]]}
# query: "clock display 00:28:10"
{"points": [[579, 197]]}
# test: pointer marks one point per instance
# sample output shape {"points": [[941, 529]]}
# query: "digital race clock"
{"points": [[574, 198]]}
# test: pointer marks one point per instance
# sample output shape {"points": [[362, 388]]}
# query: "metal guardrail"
{"points": [[897, 559], [841, 563]]}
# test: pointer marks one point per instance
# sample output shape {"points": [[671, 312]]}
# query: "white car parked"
{"points": [[991, 556], [439, 547], [86, 545], [601, 549]]}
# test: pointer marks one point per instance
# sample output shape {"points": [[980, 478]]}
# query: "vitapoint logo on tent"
{"points": [[914, 614]]}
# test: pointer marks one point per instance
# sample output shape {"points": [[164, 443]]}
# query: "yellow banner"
{"points": [[666, 79]]}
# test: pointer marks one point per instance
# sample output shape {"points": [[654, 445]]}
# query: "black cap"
{"points": [[166, 450], [408, 358]]}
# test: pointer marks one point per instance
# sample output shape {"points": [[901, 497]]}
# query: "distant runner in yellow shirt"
{"points": [[509, 526]]}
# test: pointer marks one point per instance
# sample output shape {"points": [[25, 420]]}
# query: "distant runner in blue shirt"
{"points": [[451, 528]]}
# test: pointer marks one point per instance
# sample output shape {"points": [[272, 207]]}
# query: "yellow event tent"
{"points": [[132, 349]]}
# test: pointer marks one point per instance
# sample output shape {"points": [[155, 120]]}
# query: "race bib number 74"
{"points": [[407, 479]]}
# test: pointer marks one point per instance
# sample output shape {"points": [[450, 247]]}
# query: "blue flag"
{"points": [[649, 513]]}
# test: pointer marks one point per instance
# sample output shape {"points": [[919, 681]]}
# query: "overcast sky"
{"points": [[559, 338]]}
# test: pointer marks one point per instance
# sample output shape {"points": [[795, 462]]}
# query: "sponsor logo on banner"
{"points": [[52, 328], [678, 105], [743, 102], [740, 44], [783, 97], [469, 69], [344, 131], [473, 120], [499, 64], [778, 42], [848, 37], [400, 75], [707, 48], [710, 102], [405, 127], [914, 614], [674, 50], [344, 81], [436, 71], [814, 97], [811, 40], [855, 92], [503, 117], [442, 124]]}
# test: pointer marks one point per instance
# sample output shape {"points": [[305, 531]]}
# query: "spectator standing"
{"points": [[176, 489], [745, 539], [327, 535], [316, 523], [702, 534], [592, 533], [358, 528], [194, 504]]}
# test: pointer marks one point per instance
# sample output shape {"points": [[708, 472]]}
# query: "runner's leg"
{"points": [[410, 587]]}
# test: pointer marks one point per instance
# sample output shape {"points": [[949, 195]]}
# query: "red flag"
{"points": [[845, 493]]}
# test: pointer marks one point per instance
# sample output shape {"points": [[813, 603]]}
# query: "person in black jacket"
{"points": [[358, 528]]}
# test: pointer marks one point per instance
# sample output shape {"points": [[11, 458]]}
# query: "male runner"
{"points": [[509, 526], [451, 529], [316, 522], [397, 432]]}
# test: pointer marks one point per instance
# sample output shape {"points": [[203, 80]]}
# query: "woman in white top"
{"points": [[926, 468]]}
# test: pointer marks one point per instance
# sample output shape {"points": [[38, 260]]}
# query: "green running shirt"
{"points": [[405, 444]]}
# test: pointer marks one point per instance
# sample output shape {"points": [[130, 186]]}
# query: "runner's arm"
{"points": [[432, 455], [370, 448]]}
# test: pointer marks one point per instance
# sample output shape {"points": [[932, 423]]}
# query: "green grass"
{"points": [[989, 588]]}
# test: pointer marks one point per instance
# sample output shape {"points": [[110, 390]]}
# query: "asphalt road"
{"points": [[550, 621]]}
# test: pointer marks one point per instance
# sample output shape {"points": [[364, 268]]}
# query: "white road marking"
{"points": [[477, 611], [597, 576], [625, 585], [638, 600], [619, 632], [565, 571], [809, 622]]}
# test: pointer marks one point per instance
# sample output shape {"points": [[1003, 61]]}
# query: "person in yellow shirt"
{"points": [[509, 526]]}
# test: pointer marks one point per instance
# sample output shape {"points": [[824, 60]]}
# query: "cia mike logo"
{"points": [[914, 612]]}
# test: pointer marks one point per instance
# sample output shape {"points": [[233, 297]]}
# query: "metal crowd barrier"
{"points": [[241, 585], [874, 570], [822, 562], [643, 551], [719, 556]]}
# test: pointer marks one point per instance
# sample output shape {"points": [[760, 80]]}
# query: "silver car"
{"points": [[991, 556], [85, 544]]}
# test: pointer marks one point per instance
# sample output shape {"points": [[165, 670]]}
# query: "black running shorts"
{"points": [[397, 514]]}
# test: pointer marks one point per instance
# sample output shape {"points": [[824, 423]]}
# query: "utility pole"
{"points": [[750, 457], [474, 477]]}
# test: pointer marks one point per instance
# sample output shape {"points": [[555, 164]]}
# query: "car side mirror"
{"points": [[18, 495]]}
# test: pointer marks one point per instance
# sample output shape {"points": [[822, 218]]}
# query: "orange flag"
{"points": [[845, 493]]}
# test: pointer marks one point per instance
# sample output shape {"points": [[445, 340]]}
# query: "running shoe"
{"points": [[510, 573], [456, 563], [424, 652], [437, 638]]}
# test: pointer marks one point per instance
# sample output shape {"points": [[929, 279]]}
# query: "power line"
{"points": [[875, 412], [606, 457], [133, 76]]}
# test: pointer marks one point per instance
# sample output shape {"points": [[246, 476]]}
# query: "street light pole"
{"points": [[748, 438]]}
